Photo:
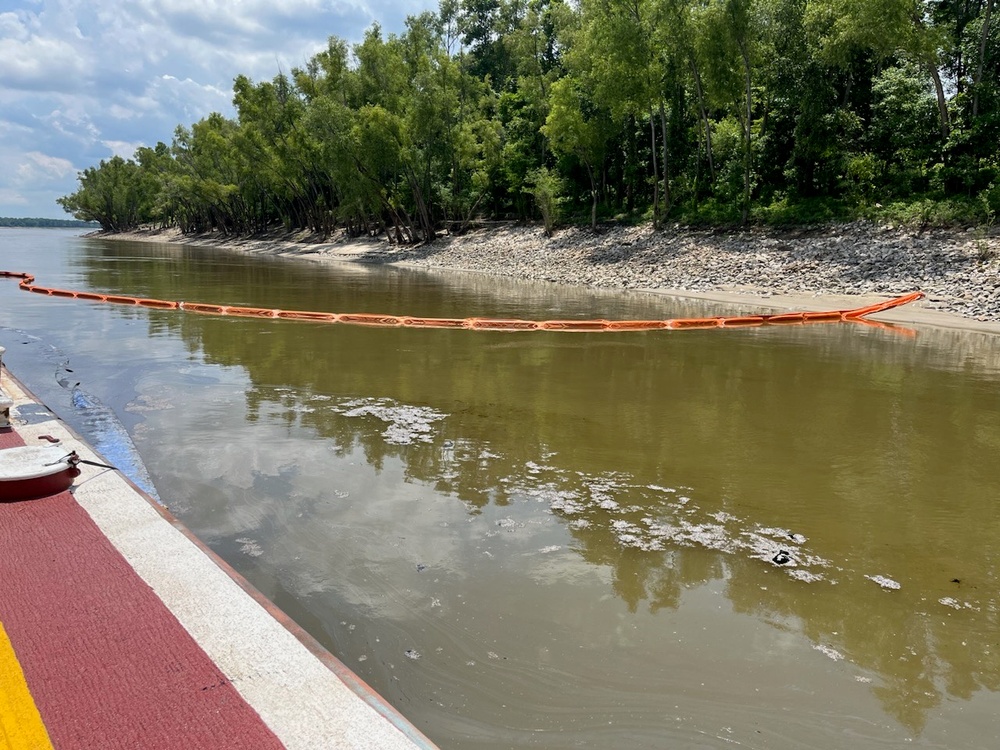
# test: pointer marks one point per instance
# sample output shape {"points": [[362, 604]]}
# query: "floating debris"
{"points": [[646, 517], [783, 534], [656, 516]]}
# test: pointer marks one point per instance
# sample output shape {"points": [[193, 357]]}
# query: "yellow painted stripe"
{"points": [[21, 726]]}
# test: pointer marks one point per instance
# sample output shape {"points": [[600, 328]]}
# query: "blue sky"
{"points": [[82, 80]]}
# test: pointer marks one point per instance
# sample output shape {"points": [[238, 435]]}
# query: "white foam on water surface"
{"points": [[884, 582], [829, 651], [405, 424]]}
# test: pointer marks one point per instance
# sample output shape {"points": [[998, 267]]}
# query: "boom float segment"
{"points": [[480, 324]]}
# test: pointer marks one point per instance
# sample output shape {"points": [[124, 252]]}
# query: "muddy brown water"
{"points": [[559, 540]]}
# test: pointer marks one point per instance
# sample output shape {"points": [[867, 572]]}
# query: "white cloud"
{"points": [[124, 149], [40, 62], [12, 197], [120, 112], [39, 167], [11, 27], [9, 128], [79, 79], [73, 123]]}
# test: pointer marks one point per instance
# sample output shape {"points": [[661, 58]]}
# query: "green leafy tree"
{"points": [[717, 110], [576, 127], [547, 188], [109, 194]]}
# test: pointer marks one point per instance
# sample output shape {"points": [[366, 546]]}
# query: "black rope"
{"points": [[94, 463]]}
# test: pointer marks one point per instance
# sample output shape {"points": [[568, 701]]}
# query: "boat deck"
{"points": [[119, 629]]}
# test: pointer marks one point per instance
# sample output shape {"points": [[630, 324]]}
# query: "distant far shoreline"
{"points": [[39, 223]]}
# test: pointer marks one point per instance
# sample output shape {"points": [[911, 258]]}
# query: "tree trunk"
{"points": [[747, 131], [704, 119], [656, 173], [423, 214], [666, 165], [941, 101], [930, 59], [982, 55], [593, 197], [847, 88]]}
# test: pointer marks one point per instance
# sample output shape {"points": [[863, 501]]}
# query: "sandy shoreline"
{"points": [[767, 271]]}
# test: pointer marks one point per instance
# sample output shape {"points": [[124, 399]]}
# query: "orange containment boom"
{"points": [[854, 315]]}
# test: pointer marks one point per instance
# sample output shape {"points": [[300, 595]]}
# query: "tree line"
{"points": [[693, 111], [15, 221]]}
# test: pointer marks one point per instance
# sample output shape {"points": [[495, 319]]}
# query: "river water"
{"points": [[558, 540]]}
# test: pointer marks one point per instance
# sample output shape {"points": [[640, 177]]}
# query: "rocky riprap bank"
{"points": [[959, 270]]}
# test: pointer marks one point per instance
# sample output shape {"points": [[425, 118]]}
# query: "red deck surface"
{"points": [[107, 664], [9, 438]]}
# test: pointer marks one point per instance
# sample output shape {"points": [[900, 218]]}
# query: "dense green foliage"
{"points": [[10, 221], [699, 111]]}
